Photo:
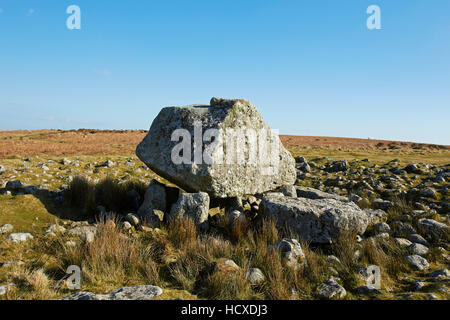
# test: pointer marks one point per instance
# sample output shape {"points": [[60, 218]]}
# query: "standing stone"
{"points": [[214, 161], [154, 199], [194, 206]]}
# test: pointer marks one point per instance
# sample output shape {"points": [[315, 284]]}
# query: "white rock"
{"points": [[19, 237]]}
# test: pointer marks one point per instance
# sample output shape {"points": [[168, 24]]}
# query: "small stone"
{"points": [[431, 296], [86, 233], [6, 228], [126, 225], [19, 237], [333, 259], [418, 285], [255, 276], [56, 228], [71, 244], [418, 262], [132, 219], [402, 242], [13, 185], [381, 227], [441, 272], [417, 238], [368, 290], [417, 248], [330, 289]]}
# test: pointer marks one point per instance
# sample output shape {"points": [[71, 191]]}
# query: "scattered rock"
{"points": [[6, 228], [126, 225], [291, 252], [127, 293], [132, 219], [441, 272], [368, 290], [418, 262], [310, 193], [381, 204], [333, 259], [433, 228], [381, 227], [255, 276], [419, 249], [417, 286], [20, 237], [330, 289], [86, 233], [336, 166], [13, 185], [417, 238], [54, 228]]}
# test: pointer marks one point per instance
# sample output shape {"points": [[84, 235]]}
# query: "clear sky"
{"points": [[311, 67]]}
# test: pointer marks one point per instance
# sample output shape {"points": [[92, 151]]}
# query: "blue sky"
{"points": [[311, 67]]}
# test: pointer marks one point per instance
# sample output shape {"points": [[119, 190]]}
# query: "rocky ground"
{"points": [[57, 211]]}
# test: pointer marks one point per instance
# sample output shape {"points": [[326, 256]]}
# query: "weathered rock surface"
{"points": [[319, 220], [291, 252], [418, 262], [19, 237], [217, 169], [86, 233], [311, 193], [433, 228], [255, 276], [6, 228], [126, 293], [154, 199], [330, 289], [194, 206]]}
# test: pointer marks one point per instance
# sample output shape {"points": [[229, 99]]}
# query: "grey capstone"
{"points": [[220, 179]]}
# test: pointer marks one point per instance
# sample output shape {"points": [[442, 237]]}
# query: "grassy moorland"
{"points": [[183, 261]]}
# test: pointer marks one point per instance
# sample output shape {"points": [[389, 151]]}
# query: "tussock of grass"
{"points": [[111, 194]]}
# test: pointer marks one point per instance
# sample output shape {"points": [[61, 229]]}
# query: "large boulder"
{"points": [[311, 193], [315, 220], [225, 149]]}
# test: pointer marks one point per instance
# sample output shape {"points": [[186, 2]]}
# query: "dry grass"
{"points": [[15, 144], [112, 259], [113, 195], [35, 282]]}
